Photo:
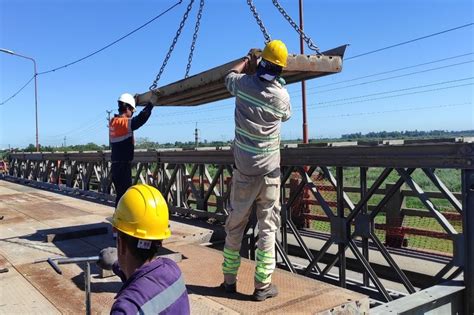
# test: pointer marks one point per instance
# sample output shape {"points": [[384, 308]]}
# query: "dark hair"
{"points": [[122, 106], [140, 253], [267, 67]]}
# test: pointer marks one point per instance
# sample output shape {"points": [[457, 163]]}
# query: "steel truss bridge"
{"points": [[196, 183]]}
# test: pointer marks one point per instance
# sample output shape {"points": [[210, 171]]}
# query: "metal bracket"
{"points": [[362, 225], [458, 250], [339, 230]]}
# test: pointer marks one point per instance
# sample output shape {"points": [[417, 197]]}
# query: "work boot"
{"points": [[229, 288], [263, 294]]}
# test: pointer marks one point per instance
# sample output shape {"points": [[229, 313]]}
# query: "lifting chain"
{"points": [[308, 40], [195, 35], [259, 21], [175, 40]]}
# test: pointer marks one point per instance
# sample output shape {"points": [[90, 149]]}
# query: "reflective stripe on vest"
{"points": [[256, 150], [256, 102], [120, 129], [251, 136], [164, 299]]}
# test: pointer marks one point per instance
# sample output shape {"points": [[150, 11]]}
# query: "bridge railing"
{"points": [[197, 183]]}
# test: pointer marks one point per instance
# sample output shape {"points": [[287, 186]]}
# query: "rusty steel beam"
{"points": [[208, 86]]}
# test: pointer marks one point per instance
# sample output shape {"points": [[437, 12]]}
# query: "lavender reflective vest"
{"points": [[155, 288]]}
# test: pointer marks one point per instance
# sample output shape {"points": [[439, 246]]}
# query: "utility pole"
{"points": [[303, 83], [108, 117], [196, 136], [64, 145], [35, 74], [108, 120]]}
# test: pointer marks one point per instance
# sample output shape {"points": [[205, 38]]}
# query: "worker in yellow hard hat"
{"points": [[261, 104], [151, 285]]}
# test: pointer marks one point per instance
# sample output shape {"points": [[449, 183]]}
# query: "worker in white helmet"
{"points": [[121, 140], [262, 103]]}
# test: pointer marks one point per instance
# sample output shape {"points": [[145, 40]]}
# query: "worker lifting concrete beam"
{"points": [[208, 86]]}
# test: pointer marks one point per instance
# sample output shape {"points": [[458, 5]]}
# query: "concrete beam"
{"points": [[446, 298], [208, 86]]}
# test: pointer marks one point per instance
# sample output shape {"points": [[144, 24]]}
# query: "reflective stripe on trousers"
{"points": [[265, 266], [231, 263], [265, 191]]}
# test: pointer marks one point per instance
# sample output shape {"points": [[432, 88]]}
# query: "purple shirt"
{"points": [[155, 288]]}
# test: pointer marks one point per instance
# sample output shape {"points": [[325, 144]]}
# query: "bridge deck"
{"points": [[29, 287]]}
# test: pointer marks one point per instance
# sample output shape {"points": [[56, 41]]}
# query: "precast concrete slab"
{"points": [[297, 294], [30, 214], [66, 291], [18, 296]]}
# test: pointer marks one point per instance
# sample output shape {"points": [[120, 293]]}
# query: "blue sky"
{"points": [[73, 101]]}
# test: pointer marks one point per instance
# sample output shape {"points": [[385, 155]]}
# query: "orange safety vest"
{"points": [[120, 129]]}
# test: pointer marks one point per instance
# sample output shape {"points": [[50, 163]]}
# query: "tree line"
{"points": [[147, 143], [408, 134]]}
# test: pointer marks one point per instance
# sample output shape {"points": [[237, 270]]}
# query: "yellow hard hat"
{"points": [[275, 52], [142, 212]]}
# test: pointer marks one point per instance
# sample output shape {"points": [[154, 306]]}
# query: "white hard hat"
{"points": [[127, 99]]}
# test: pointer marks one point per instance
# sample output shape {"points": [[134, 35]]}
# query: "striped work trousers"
{"points": [[265, 192]]}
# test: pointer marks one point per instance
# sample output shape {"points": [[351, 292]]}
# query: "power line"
{"points": [[363, 54], [194, 111], [396, 110], [17, 92], [409, 41], [114, 42], [95, 52], [87, 129], [396, 76], [92, 130], [390, 96], [344, 99], [92, 123], [394, 91], [389, 71], [335, 83], [227, 118], [316, 105], [352, 57]]}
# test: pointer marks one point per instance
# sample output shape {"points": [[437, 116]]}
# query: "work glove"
{"points": [[252, 57], [107, 257]]}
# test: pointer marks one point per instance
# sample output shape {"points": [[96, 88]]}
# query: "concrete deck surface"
{"points": [[35, 288]]}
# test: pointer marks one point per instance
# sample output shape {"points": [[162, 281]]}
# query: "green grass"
{"points": [[450, 177]]}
